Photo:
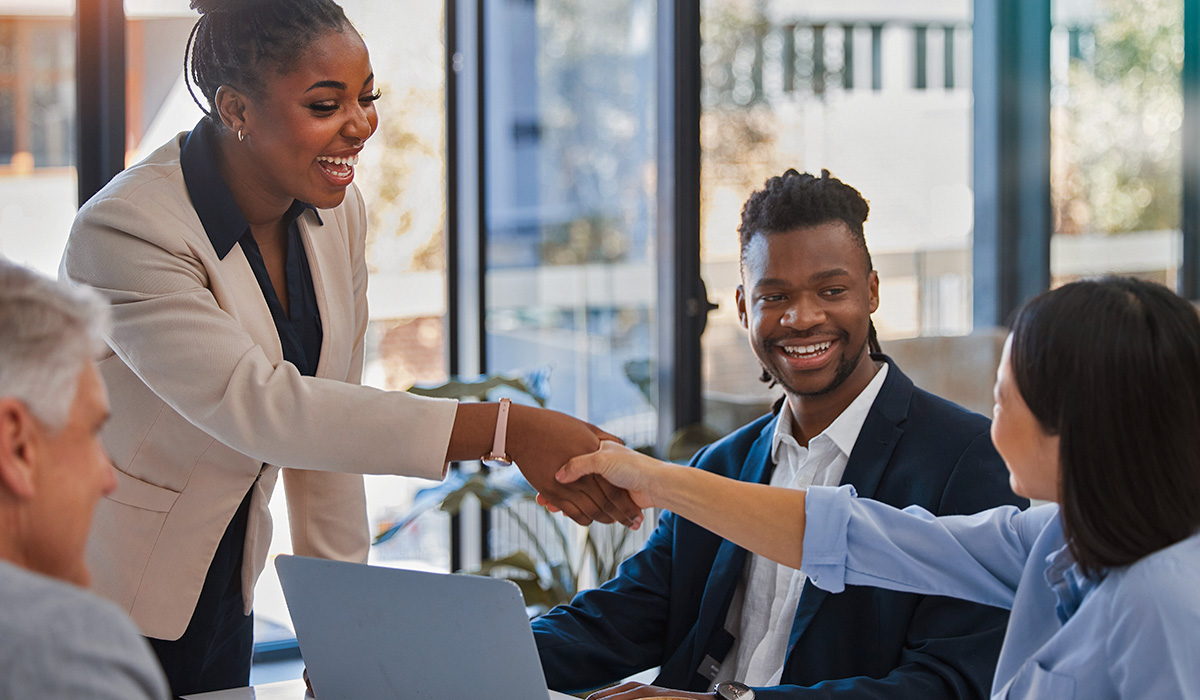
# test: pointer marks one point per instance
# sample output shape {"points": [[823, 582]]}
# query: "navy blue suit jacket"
{"points": [[667, 605]]}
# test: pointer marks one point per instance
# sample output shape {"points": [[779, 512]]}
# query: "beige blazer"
{"points": [[202, 399]]}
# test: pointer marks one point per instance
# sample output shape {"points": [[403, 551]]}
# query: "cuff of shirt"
{"points": [[826, 518]]}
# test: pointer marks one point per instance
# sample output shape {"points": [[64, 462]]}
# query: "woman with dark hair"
{"points": [[1098, 410], [234, 260]]}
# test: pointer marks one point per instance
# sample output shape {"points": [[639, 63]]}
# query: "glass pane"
{"points": [[37, 133], [1116, 113], [402, 177], [8, 45], [571, 204], [571, 190], [8, 124], [52, 122], [879, 94]]}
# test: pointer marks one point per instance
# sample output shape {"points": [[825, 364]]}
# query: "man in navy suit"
{"points": [[703, 610]]}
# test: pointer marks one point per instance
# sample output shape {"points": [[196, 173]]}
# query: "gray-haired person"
{"points": [[57, 640]]}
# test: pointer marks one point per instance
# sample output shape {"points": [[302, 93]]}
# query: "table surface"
{"points": [[284, 690], [287, 690]]}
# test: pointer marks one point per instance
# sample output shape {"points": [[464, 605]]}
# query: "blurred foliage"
{"points": [[478, 389], [1116, 123], [738, 127], [405, 194], [546, 577]]}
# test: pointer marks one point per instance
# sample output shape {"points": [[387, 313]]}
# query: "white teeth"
{"points": [[351, 161], [805, 350]]}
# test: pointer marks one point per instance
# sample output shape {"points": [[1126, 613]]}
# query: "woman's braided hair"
{"points": [[236, 42]]}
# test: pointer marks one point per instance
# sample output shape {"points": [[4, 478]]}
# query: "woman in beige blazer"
{"points": [[233, 257]]}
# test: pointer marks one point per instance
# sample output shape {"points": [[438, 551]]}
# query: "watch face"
{"points": [[732, 690]]}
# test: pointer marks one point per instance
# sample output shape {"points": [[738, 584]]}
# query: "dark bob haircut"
{"points": [[1112, 367]]}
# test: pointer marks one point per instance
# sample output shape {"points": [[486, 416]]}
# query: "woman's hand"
{"points": [[541, 441], [622, 467], [767, 520]]}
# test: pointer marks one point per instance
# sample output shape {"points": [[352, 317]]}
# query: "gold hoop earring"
{"points": [[240, 136]]}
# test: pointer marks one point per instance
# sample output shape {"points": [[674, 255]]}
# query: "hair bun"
{"points": [[215, 7]]}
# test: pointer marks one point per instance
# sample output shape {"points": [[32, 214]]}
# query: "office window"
{"points": [[1116, 113], [37, 135], [37, 93], [569, 123], [878, 94], [570, 204]]}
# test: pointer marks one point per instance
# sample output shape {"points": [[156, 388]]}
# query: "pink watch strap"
{"points": [[499, 451]]}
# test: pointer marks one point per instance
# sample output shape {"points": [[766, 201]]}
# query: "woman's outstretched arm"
{"points": [[766, 520]]}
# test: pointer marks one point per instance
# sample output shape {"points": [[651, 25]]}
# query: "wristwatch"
{"points": [[732, 690], [498, 457]]}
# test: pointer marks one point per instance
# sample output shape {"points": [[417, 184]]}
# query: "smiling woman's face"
{"points": [[1031, 455], [307, 125]]}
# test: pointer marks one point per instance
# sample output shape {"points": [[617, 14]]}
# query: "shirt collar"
{"points": [[1068, 582], [212, 198], [844, 430]]}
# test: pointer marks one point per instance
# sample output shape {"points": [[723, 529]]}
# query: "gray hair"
{"points": [[48, 330]]}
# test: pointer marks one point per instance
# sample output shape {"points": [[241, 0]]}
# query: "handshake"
{"points": [[600, 478]]}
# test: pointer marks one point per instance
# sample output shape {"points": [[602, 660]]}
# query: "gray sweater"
{"points": [[58, 641]]}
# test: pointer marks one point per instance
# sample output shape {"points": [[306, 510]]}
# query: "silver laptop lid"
{"points": [[370, 632]]}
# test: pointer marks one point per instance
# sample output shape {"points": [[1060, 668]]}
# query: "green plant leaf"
{"points": [[477, 389], [519, 559]]}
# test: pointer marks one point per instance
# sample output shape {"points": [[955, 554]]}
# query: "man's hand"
{"points": [[542, 441], [630, 691]]}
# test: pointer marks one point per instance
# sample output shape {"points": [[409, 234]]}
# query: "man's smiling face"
{"points": [[806, 299]]}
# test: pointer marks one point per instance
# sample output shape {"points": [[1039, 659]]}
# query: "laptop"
{"points": [[370, 632]]}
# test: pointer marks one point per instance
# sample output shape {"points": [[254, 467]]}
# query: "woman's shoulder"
{"points": [[148, 178], [1163, 579], [152, 187], [145, 210]]}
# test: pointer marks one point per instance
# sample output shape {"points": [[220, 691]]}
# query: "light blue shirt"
{"points": [[1133, 634]]}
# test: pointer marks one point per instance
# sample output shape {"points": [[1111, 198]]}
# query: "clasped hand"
{"points": [[541, 441]]}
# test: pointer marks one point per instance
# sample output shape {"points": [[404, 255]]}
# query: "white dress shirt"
{"points": [[764, 604]]}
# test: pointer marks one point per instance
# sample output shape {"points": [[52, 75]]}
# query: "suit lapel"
{"points": [[728, 565], [880, 433], [249, 304], [868, 460]]}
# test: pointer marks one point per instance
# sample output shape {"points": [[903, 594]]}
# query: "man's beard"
{"points": [[845, 368]]}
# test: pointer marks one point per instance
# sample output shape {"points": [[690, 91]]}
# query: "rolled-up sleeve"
{"points": [[826, 519], [852, 541]]}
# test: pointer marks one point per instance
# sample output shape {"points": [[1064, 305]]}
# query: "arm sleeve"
{"points": [[171, 332], [88, 651], [866, 543], [614, 631]]}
